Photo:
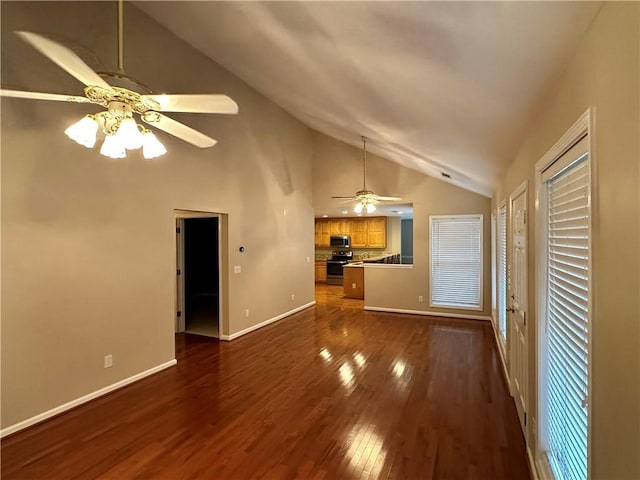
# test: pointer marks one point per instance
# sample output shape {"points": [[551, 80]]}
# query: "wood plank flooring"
{"points": [[332, 392]]}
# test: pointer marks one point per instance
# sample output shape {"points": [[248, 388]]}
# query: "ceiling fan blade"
{"points": [[195, 103], [43, 96], [64, 58], [388, 199], [350, 198], [179, 130]]}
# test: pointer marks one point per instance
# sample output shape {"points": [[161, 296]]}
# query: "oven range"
{"points": [[339, 258]]}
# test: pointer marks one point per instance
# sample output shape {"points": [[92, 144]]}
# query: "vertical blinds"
{"points": [[456, 261], [567, 318], [502, 271]]}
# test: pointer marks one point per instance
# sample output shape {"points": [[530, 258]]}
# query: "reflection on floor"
{"points": [[334, 295], [202, 315], [330, 393]]}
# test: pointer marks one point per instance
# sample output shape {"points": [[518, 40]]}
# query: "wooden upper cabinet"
{"points": [[365, 232], [322, 232], [359, 232], [377, 232], [345, 226]]}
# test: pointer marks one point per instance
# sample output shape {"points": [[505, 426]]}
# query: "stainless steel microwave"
{"points": [[340, 241]]}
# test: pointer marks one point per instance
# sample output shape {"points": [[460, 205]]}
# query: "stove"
{"points": [[339, 258]]}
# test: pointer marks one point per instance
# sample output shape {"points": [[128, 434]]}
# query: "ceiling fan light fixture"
{"points": [[151, 146], [112, 148], [371, 208], [128, 134], [84, 131], [358, 208]]}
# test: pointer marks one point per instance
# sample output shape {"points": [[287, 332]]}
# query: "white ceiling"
{"points": [[437, 86]]}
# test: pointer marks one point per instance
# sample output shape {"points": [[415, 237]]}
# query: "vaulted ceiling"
{"points": [[439, 87]]}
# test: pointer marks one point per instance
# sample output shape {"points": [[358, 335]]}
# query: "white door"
{"points": [[517, 303]]}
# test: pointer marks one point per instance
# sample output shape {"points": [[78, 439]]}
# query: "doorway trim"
{"points": [[179, 217], [584, 126]]}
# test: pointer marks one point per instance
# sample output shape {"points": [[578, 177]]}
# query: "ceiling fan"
{"points": [[366, 198], [117, 121]]}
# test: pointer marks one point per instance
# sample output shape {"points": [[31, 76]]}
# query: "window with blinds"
{"points": [[567, 186], [502, 271], [456, 261]]}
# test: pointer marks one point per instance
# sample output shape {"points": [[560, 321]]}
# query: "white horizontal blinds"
{"points": [[456, 261], [502, 271], [568, 314]]}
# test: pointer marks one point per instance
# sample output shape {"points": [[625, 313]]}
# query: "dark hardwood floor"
{"points": [[332, 392]]}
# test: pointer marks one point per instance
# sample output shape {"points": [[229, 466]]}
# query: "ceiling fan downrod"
{"points": [[121, 35], [364, 163]]}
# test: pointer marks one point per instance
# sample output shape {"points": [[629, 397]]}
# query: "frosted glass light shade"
{"points": [[151, 146], [84, 132], [358, 208], [129, 135], [371, 208], [112, 147]]}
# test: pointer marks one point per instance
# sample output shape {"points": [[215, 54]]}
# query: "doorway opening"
{"points": [[198, 279]]}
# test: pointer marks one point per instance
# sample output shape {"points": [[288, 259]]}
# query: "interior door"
{"points": [[179, 307], [517, 305]]}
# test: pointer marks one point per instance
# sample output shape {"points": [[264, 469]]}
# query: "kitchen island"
{"points": [[354, 280]]}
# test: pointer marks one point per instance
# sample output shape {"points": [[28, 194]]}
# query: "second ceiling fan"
{"points": [[367, 199]]}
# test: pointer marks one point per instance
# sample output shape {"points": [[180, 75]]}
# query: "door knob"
{"points": [[509, 309]]}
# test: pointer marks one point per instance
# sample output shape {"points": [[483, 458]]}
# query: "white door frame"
{"points": [[585, 125], [180, 216], [520, 309]]}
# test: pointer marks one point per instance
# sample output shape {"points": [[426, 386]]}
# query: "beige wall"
{"points": [[88, 254], [393, 235], [603, 75], [399, 287]]}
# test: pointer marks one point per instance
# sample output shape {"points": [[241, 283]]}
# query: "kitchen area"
{"points": [[344, 245]]}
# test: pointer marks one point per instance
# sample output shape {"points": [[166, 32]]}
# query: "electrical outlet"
{"points": [[292, 297], [246, 313], [237, 269], [308, 259], [420, 299], [353, 285], [108, 361]]}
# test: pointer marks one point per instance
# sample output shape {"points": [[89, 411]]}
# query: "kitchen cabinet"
{"points": [[353, 281], [366, 232], [322, 232], [345, 226], [321, 272], [377, 232], [359, 233]]}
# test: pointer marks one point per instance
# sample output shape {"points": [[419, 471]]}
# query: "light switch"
{"points": [[237, 269]]}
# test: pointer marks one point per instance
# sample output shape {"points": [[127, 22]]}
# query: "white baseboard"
{"points": [[502, 359], [430, 314], [84, 399], [269, 321]]}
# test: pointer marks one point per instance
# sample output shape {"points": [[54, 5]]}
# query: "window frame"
{"points": [[480, 217], [584, 126]]}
